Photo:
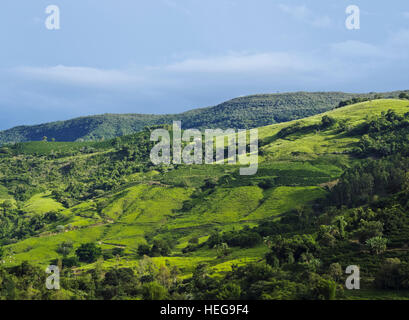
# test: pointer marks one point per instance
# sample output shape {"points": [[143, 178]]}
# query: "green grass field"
{"points": [[41, 203]]}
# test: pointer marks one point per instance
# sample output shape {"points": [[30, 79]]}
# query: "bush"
{"points": [[144, 249], [154, 291], [327, 122], [70, 262], [65, 248], [118, 251], [88, 252], [160, 248], [393, 275], [403, 95]]}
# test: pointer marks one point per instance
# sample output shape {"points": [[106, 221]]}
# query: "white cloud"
{"points": [[83, 76], [302, 13], [355, 48], [272, 63]]}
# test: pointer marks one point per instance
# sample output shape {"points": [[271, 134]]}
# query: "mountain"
{"points": [[244, 112], [331, 191]]}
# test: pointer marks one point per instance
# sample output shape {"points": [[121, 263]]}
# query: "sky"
{"points": [[169, 56]]}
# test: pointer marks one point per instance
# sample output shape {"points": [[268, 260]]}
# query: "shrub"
{"points": [[88, 252]]}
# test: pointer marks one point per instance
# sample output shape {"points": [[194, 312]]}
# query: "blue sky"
{"points": [[168, 56]]}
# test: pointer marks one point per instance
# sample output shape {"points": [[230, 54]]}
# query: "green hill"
{"points": [[315, 201], [245, 112]]}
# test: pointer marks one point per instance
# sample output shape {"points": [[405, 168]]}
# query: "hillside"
{"points": [[183, 231], [245, 112]]}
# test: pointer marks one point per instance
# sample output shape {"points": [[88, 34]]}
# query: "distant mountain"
{"points": [[244, 112]]}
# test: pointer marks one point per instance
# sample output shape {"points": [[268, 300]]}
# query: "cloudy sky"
{"points": [[168, 56]]}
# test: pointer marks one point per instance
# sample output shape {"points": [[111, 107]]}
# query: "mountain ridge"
{"points": [[242, 112]]}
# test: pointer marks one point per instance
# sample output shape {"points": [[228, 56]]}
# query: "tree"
{"points": [[222, 249], [229, 291], [335, 271], [369, 229], [64, 248], [144, 249], [6, 205], [392, 275], [341, 224], [117, 251], [403, 95], [154, 291], [268, 241], [88, 252], [327, 122], [376, 245], [326, 235], [160, 248], [164, 277]]}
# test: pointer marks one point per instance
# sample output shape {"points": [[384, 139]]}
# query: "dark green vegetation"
{"points": [[246, 112], [331, 191]]}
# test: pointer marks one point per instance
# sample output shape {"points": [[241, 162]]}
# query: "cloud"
{"points": [[303, 14], [406, 14], [353, 48], [173, 74], [271, 63], [81, 76]]}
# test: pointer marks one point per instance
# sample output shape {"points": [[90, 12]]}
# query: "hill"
{"points": [[245, 112], [326, 185]]}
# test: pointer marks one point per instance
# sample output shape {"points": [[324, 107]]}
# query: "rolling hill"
{"points": [[107, 193], [244, 112]]}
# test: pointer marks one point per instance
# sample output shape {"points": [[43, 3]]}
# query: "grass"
{"points": [[146, 204], [41, 250], [284, 199], [312, 145], [4, 195], [41, 203]]}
